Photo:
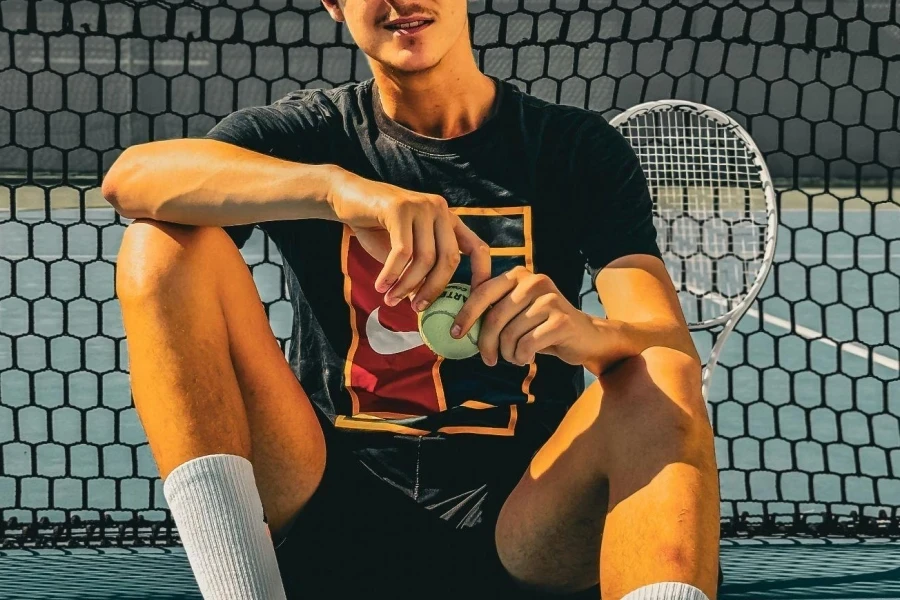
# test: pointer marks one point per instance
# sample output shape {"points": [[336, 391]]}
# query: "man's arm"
{"points": [[238, 177], [209, 182], [618, 242], [642, 311]]}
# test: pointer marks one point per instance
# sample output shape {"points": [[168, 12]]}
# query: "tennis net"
{"points": [[806, 399]]}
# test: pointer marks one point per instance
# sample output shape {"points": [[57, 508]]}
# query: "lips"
{"points": [[408, 26]]}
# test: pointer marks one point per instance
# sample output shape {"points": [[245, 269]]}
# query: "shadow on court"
{"points": [[754, 570], [829, 570]]}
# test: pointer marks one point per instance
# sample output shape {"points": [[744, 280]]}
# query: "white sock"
{"points": [[669, 590], [216, 506]]}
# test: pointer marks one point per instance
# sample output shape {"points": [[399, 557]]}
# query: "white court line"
{"points": [[786, 257], [817, 210], [811, 334], [817, 336]]}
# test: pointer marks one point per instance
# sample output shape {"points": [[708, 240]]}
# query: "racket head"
{"points": [[713, 205]]}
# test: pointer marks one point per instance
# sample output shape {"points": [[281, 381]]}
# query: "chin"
{"points": [[407, 62], [412, 66]]}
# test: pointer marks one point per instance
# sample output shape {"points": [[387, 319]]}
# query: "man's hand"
{"points": [[415, 235], [524, 315]]}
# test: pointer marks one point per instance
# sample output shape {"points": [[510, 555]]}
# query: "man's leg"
{"points": [[207, 374], [632, 462]]}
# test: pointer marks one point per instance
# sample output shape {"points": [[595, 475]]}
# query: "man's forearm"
{"points": [[618, 340], [207, 182]]}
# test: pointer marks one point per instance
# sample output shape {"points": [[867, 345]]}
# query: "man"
{"points": [[379, 467]]}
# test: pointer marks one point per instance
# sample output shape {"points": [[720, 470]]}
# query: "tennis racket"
{"points": [[713, 207]]}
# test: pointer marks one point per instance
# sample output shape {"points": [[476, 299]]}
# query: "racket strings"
{"points": [[710, 209]]}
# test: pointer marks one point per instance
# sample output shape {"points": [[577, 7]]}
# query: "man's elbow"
{"points": [[110, 188], [688, 347], [680, 339], [118, 185]]}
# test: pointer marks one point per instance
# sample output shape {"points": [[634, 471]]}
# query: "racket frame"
{"points": [[729, 319]]}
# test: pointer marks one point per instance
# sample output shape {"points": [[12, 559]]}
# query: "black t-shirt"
{"points": [[553, 188]]}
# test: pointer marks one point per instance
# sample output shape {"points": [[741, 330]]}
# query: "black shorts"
{"points": [[407, 517]]}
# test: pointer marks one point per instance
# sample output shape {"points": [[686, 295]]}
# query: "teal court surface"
{"points": [[755, 570]]}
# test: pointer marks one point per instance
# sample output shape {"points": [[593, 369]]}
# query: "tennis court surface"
{"points": [[805, 401], [754, 570]]}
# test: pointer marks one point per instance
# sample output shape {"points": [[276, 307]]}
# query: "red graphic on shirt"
{"points": [[390, 372]]}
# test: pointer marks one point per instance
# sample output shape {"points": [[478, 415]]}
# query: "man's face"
{"points": [[403, 35]]}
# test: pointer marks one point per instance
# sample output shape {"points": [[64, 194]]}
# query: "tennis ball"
{"points": [[436, 320]]}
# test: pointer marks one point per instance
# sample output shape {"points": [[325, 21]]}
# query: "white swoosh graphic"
{"points": [[387, 342]]}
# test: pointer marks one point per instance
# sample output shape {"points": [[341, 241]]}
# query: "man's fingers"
{"points": [[495, 323], [480, 300], [479, 253], [424, 254], [401, 236], [531, 343], [519, 327], [423, 258], [447, 253]]}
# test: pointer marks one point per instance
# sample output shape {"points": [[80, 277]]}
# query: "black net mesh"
{"points": [[806, 401]]}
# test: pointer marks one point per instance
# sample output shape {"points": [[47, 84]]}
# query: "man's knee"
{"points": [[156, 256], [656, 399]]}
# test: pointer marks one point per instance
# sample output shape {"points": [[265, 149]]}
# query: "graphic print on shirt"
{"points": [[395, 382]]}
